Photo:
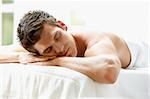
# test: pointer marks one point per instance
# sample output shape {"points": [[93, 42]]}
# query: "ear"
{"points": [[62, 25]]}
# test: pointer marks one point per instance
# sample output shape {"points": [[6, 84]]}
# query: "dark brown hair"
{"points": [[30, 27]]}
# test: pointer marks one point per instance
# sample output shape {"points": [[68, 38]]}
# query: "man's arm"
{"points": [[100, 63], [22, 58], [15, 54], [9, 58], [9, 53], [103, 69]]}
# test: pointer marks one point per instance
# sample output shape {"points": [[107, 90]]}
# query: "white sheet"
{"points": [[19, 81]]}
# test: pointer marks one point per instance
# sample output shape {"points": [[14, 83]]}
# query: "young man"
{"points": [[100, 56]]}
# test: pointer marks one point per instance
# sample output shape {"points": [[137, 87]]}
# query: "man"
{"points": [[100, 56]]}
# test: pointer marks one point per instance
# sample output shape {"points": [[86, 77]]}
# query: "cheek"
{"points": [[64, 40]]}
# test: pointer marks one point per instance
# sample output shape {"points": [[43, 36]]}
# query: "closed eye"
{"points": [[47, 50]]}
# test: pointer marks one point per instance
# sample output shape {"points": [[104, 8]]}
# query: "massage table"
{"points": [[20, 81]]}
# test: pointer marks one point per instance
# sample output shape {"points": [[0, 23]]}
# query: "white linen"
{"points": [[18, 81]]}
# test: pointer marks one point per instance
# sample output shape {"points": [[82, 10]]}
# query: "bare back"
{"points": [[103, 43]]}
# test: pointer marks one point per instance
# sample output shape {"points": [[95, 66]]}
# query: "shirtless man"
{"points": [[100, 56]]}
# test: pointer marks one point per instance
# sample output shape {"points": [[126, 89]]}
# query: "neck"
{"points": [[80, 44]]}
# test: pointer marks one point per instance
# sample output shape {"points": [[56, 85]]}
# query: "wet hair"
{"points": [[30, 27]]}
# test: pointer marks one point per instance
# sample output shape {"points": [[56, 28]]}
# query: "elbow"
{"points": [[111, 75], [108, 75]]}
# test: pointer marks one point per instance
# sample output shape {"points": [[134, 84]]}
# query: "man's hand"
{"points": [[29, 58], [52, 62]]}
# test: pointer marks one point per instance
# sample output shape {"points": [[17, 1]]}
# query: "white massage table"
{"points": [[18, 81]]}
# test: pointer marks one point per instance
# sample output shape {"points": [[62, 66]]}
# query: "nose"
{"points": [[59, 48]]}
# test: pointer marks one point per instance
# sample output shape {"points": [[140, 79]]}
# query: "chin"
{"points": [[74, 53]]}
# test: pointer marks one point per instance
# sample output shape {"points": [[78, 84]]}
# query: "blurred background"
{"points": [[127, 18]]}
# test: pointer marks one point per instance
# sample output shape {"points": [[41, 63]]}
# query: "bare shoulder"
{"points": [[108, 44], [92, 38], [100, 43]]}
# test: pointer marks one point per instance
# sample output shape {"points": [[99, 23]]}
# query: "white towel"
{"points": [[139, 54]]}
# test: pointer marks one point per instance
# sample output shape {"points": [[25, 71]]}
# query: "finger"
{"points": [[37, 59], [40, 63]]}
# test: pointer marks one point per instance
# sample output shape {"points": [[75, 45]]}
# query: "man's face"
{"points": [[56, 42]]}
